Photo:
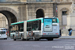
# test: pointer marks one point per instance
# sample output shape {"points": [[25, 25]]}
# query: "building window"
{"points": [[64, 12], [64, 19], [38, 0]]}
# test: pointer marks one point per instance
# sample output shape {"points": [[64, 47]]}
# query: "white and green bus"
{"points": [[40, 28]]}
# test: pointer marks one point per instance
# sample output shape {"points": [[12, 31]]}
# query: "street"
{"points": [[56, 44]]}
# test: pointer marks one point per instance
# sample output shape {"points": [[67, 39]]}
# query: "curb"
{"points": [[67, 37]]}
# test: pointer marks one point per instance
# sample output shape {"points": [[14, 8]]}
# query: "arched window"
{"points": [[39, 13]]}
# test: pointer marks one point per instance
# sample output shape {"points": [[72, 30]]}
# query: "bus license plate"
{"points": [[50, 33]]}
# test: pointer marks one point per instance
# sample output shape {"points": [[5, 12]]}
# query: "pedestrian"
{"points": [[70, 31], [60, 32]]}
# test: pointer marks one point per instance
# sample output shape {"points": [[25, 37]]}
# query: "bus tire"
{"points": [[14, 38], [5, 38], [50, 39]]}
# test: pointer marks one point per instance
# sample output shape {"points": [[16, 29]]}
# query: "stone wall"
{"points": [[47, 8], [31, 1], [3, 21], [61, 8]]}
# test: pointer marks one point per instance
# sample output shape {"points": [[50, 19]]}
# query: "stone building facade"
{"points": [[20, 10], [3, 21]]}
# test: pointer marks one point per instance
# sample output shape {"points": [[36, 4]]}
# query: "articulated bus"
{"points": [[40, 28]]}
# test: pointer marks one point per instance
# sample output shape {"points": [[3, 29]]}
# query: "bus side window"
{"points": [[35, 25], [29, 26], [20, 27], [28, 29]]}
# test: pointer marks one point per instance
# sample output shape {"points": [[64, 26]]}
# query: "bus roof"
{"points": [[17, 23], [29, 21], [35, 19]]}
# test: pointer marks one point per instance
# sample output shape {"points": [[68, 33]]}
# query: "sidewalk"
{"points": [[67, 37]]}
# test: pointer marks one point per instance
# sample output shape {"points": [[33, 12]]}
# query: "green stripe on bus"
{"points": [[36, 20], [17, 23]]}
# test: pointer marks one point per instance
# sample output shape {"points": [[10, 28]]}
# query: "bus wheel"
{"points": [[50, 39], [22, 38], [5, 38], [14, 38]]}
